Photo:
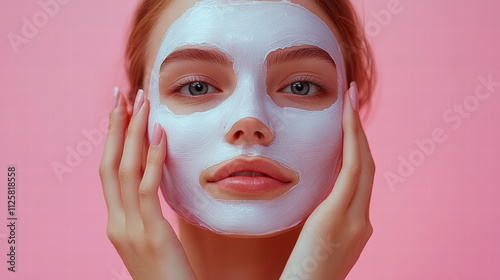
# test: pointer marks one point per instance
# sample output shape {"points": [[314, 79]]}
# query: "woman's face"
{"points": [[250, 96]]}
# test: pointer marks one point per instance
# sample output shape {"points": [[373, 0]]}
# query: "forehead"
{"points": [[247, 27], [248, 30]]}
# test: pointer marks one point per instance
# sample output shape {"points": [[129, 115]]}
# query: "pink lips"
{"points": [[248, 175]]}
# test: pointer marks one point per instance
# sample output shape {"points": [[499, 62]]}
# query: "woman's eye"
{"points": [[301, 88], [197, 88]]}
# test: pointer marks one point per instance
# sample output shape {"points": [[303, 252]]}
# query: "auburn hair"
{"points": [[356, 50]]}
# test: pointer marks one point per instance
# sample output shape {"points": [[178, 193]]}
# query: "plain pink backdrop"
{"points": [[440, 219]]}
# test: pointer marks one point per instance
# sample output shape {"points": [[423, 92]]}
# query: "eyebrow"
{"points": [[274, 58], [309, 52], [195, 54]]}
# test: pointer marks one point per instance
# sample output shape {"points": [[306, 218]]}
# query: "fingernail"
{"points": [[115, 98], [353, 95], [139, 100], [156, 135]]}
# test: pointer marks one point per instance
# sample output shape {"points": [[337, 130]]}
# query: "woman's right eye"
{"points": [[197, 88]]}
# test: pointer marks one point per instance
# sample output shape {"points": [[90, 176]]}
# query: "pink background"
{"points": [[440, 221]]}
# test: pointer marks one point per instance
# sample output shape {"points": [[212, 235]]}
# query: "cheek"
{"points": [[189, 136], [313, 137]]}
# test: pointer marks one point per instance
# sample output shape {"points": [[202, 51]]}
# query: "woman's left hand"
{"points": [[336, 232]]}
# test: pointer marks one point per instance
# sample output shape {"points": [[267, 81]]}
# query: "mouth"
{"points": [[248, 178], [248, 174]]}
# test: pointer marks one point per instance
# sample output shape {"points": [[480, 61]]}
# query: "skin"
{"points": [[130, 173]]}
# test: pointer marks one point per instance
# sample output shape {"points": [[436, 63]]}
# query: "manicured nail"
{"points": [[156, 139], [139, 100], [353, 95], [115, 98]]}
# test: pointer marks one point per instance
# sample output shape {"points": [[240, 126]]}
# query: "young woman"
{"points": [[253, 136]]}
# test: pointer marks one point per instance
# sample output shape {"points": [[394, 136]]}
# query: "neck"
{"points": [[215, 256]]}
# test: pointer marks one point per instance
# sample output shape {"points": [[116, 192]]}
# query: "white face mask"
{"points": [[308, 142]]}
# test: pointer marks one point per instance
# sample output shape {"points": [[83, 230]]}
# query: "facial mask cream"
{"points": [[308, 142]]}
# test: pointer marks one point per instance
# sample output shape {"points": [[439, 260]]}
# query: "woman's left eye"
{"points": [[301, 88], [197, 88]]}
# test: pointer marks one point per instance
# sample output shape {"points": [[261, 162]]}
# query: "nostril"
{"points": [[248, 132]]}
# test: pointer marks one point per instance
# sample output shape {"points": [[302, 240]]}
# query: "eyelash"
{"points": [[323, 88], [177, 86]]}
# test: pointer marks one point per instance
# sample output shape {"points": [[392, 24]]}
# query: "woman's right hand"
{"points": [[143, 238]]}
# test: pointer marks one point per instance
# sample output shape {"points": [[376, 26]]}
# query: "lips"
{"points": [[241, 167], [250, 175]]}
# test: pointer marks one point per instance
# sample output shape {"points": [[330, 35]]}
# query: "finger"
{"points": [[145, 146], [361, 201], [113, 147], [360, 206], [148, 191], [372, 168], [130, 166], [351, 160]]}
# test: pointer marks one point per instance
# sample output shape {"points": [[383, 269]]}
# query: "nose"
{"points": [[249, 131]]}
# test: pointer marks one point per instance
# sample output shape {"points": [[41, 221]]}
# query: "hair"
{"points": [[356, 50]]}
